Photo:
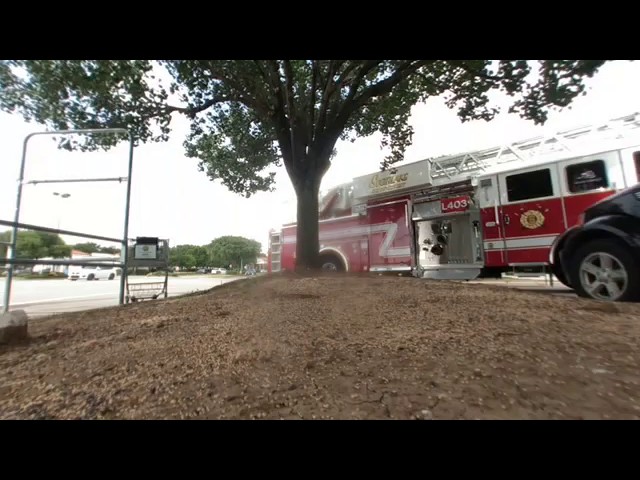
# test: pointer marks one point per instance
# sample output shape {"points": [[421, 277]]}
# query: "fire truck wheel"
{"points": [[605, 270], [331, 264]]}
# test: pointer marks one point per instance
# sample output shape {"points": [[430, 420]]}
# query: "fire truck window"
{"points": [[530, 185], [587, 176], [636, 159]]}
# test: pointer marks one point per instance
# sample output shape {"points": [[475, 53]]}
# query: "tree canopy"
{"points": [[230, 250], [221, 252], [36, 245], [91, 247], [189, 256], [249, 115]]}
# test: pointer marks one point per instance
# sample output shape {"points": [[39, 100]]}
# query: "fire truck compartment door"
{"points": [[450, 240]]}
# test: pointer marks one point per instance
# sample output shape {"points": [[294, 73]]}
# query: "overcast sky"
{"points": [[172, 199]]}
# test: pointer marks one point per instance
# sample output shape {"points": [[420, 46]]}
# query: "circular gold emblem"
{"points": [[532, 219]]}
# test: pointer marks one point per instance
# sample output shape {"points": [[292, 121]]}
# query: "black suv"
{"points": [[600, 257]]}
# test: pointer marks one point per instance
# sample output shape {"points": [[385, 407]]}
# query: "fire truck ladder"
{"points": [[447, 169]]}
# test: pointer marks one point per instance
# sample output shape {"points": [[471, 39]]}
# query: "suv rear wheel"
{"points": [[605, 270]]}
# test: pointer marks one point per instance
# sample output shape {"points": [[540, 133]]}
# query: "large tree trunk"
{"points": [[306, 175], [307, 241]]}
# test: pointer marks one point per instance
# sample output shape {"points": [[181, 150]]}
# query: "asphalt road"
{"points": [[47, 297]]}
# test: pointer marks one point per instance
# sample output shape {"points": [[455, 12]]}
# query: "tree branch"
{"points": [[282, 130], [289, 94], [343, 76], [383, 87], [291, 113], [364, 70], [241, 94], [276, 83], [271, 97], [474, 72], [263, 72], [327, 92], [312, 100], [192, 111]]}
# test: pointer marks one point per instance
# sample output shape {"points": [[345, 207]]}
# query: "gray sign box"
{"points": [[143, 251]]}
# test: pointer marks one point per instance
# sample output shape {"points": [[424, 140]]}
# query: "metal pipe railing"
{"points": [[77, 180], [73, 262], [16, 221], [38, 228]]}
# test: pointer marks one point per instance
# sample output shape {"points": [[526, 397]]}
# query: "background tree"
{"points": [[87, 247], [233, 250], [36, 245], [30, 245], [60, 251], [247, 115], [4, 237], [91, 247], [183, 256], [54, 245], [201, 255]]}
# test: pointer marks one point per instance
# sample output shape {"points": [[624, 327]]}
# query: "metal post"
{"points": [[125, 240], [166, 281], [11, 254]]}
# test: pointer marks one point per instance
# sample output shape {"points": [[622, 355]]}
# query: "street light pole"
{"points": [[60, 196]]}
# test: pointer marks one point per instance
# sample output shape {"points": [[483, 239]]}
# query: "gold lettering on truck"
{"points": [[392, 182]]}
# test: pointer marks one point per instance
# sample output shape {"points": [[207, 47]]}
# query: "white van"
{"points": [[92, 273]]}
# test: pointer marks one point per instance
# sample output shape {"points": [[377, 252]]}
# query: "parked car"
{"points": [[219, 271], [93, 273], [600, 257]]}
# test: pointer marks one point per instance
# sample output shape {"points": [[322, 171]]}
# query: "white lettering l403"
{"points": [[459, 204]]}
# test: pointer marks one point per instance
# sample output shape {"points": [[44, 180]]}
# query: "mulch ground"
{"points": [[332, 347]]}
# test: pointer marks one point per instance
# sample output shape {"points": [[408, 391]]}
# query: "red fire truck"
{"points": [[471, 214]]}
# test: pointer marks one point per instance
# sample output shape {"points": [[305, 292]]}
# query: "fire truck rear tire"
{"points": [[615, 252], [331, 263]]}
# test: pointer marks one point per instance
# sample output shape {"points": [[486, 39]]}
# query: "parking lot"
{"points": [[45, 297]]}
